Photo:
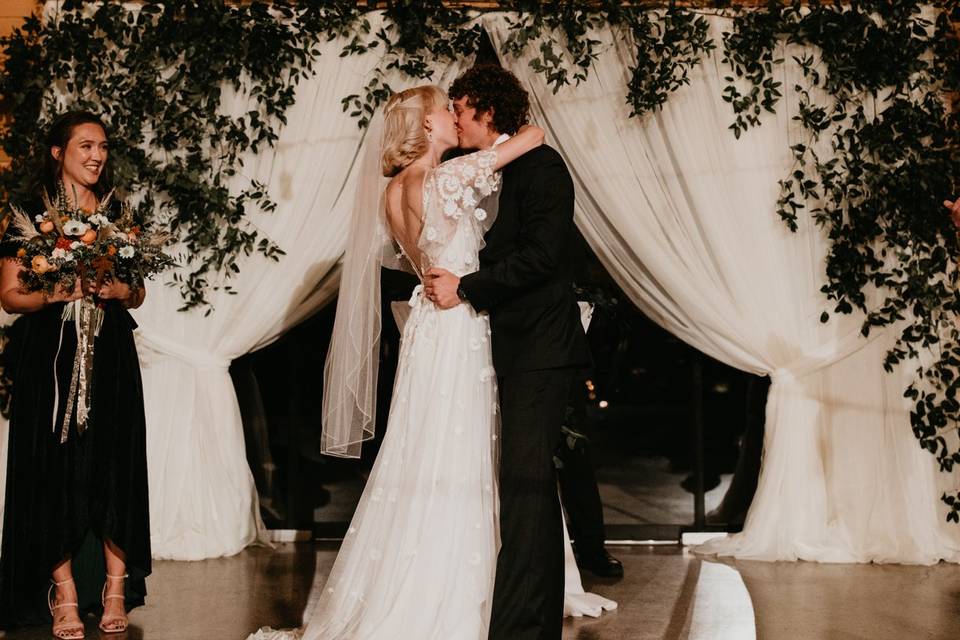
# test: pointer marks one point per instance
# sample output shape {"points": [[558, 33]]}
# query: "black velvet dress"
{"points": [[63, 500]]}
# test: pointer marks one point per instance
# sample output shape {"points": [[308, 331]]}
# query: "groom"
{"points": [[525, 284]]}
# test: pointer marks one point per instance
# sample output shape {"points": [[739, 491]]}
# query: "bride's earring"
{"points": [[429, 136]]}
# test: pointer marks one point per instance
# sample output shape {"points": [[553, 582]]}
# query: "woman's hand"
{"points": [[528, 137], [63, 293], [113, 289], [954, 209]]}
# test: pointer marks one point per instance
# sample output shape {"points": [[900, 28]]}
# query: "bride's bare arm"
{"points": [[528, 138]]}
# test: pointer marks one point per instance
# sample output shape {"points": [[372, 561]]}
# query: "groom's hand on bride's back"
{"points": [[440, 287]]}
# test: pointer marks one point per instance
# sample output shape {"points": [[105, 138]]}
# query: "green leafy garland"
{"points": [[894, 157], [668, 44], [157, 75]]}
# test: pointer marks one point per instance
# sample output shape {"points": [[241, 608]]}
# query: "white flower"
{"points": [[480, 214], [39, 218], [58, 254], [75, 228], [469, 197], [126, 252], [99, 219], [450, 209], [76, 244], [483, 185]]}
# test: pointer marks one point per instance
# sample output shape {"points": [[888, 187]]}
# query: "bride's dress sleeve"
{"points": [[458, 192]]}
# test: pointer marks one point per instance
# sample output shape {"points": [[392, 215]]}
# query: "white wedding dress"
{"points": [[419, 558]]}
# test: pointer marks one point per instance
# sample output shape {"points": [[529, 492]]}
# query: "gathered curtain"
{"points": [[682, 215], [203, 502]]}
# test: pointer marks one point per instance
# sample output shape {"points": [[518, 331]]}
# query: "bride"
{"points": [[420, 554]]}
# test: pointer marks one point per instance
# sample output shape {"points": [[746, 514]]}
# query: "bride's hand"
{"points": [[528, 138], [532, 130]]}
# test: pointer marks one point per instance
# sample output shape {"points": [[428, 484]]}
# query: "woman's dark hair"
{"points": [[58, 135], [490, 86]]}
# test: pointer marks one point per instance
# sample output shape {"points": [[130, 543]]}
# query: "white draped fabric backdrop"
{"points": [[680, 213]]}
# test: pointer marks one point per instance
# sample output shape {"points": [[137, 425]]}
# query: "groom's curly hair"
{"points": [[490, 86]]}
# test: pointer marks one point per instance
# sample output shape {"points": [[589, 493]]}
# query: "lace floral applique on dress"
{"points": [[459, 194]]}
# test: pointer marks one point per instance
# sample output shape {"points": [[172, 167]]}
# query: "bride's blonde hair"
{"points": [[404, 137]]}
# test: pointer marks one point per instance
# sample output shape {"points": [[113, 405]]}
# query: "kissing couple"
{"points": [[459, 532]]}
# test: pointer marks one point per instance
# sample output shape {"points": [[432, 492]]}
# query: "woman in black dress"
{"points": [[76, 534]]}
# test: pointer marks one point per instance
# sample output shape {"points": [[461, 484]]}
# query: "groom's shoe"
{"points": [[602, 565]]}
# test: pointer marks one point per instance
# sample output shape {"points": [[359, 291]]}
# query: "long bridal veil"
{"points": [[350, 374]]}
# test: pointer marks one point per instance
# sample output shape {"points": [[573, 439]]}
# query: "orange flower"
{"points": [[134, 231], [46, 226], [88, 236], [40, 264], [111, 250], [21, 252]]}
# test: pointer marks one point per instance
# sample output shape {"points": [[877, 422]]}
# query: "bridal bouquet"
{"points": [[65, 243]]}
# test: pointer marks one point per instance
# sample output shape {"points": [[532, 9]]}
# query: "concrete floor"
{"points": [[637, 490], [667, 594]]}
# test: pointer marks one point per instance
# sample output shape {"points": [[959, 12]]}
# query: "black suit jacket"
{"points": [[525, 275]]}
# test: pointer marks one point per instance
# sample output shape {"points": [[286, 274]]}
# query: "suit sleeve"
{"points": [[546, 217]]}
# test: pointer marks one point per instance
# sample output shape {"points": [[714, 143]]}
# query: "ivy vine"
{"points": [[894, 155], [157, 75], [555, 37]]}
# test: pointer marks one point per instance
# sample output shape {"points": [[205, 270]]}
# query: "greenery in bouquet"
{"points": [[64, 242]]}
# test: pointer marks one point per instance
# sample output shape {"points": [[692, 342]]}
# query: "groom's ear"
{"points": [[487, 118]]}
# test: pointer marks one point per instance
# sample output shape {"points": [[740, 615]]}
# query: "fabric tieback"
{"points": [[193, 357]]}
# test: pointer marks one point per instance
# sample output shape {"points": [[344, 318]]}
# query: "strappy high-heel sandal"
{"points": [[116, 624], [62, 628]]}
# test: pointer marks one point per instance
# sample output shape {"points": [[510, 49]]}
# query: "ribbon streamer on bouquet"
{"points": [[87, 319]]}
